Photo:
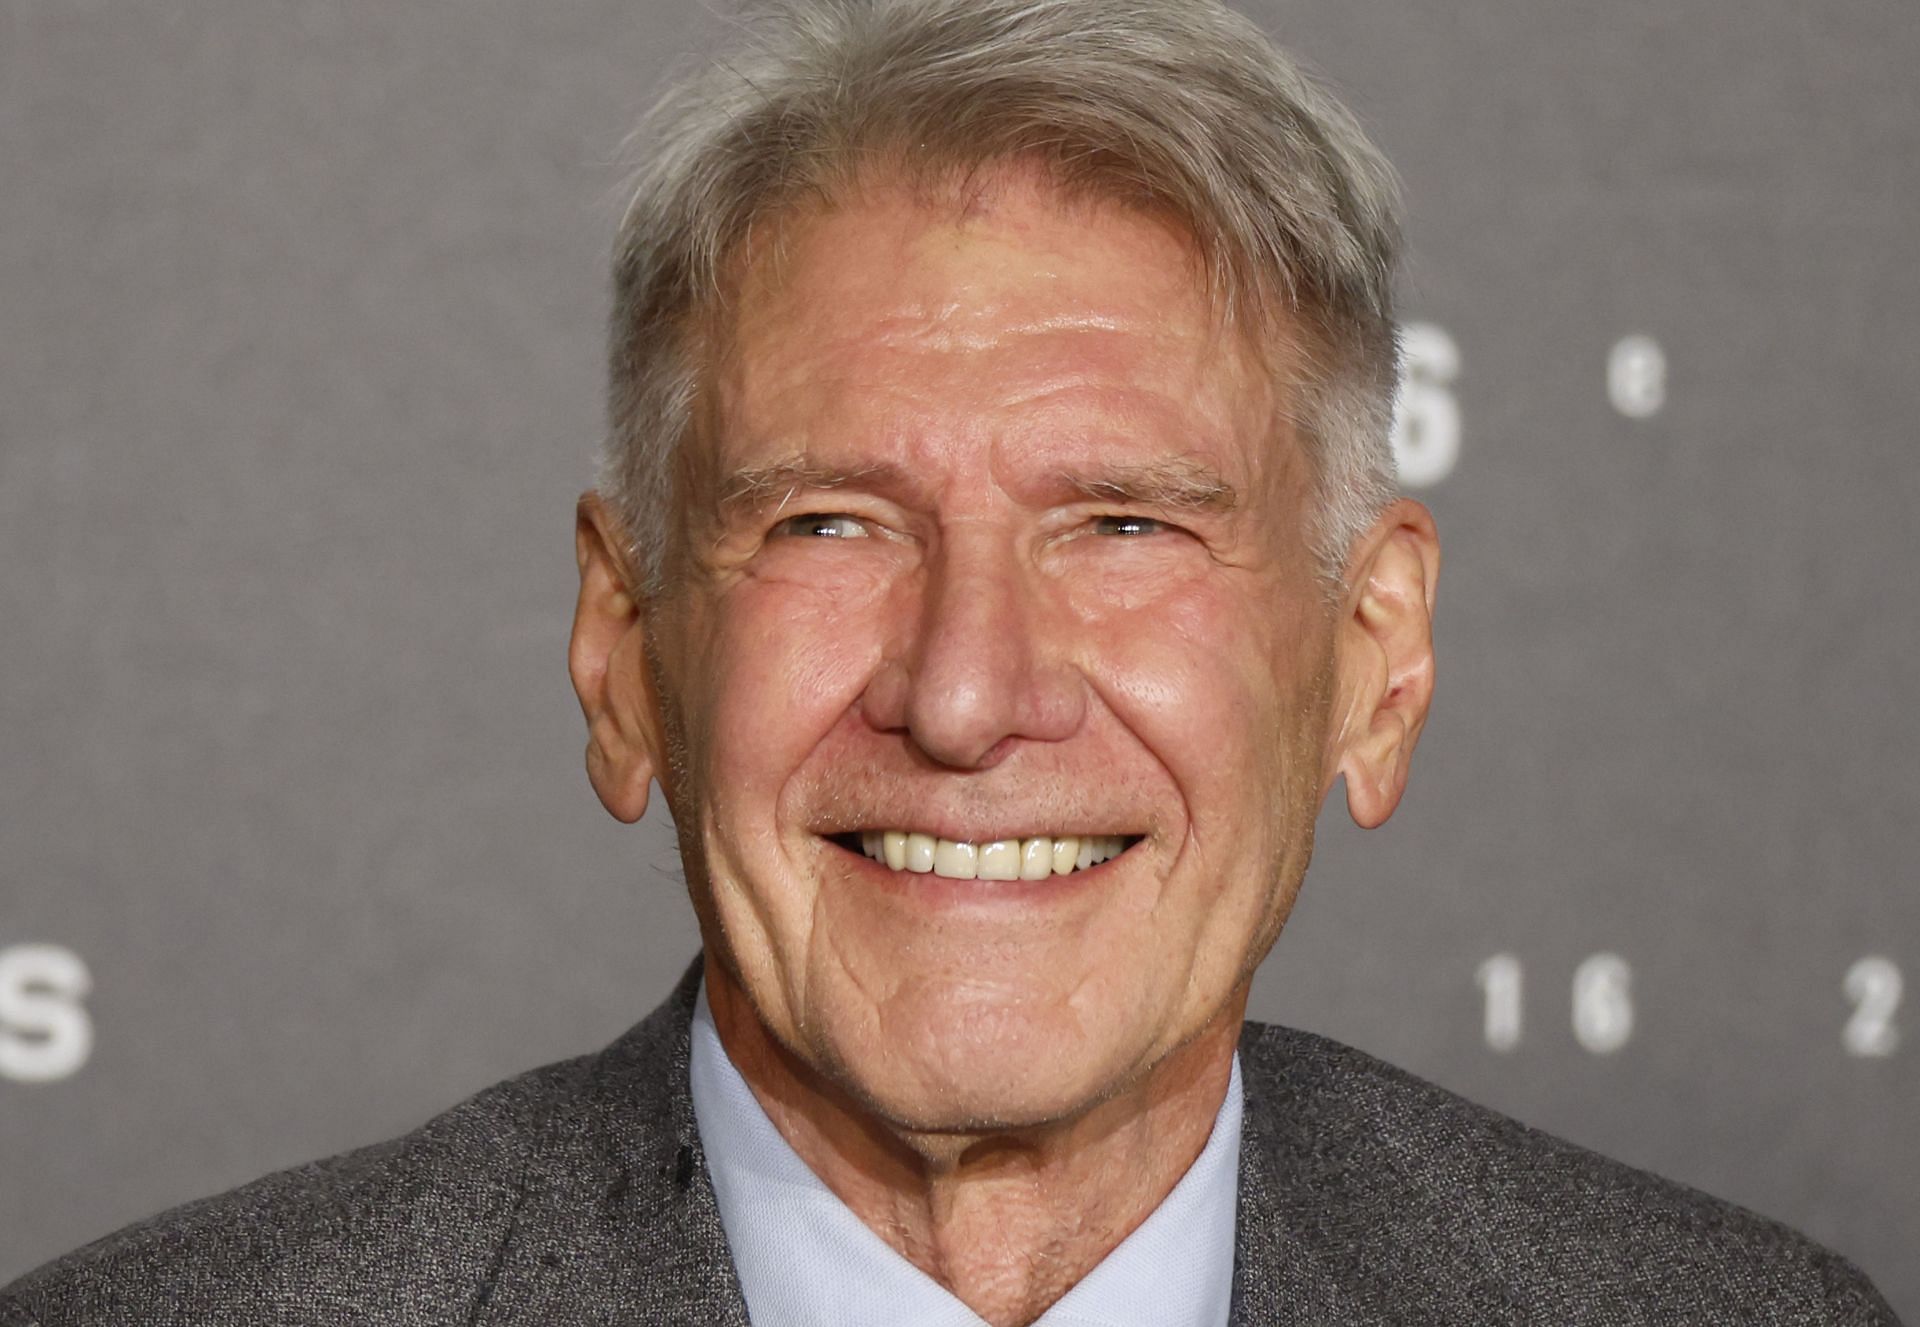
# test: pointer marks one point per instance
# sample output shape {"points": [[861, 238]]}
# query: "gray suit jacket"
{"points": [[577, 1194]]}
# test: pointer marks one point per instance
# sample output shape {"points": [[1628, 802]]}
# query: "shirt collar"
{"points": [[805, 1260]]}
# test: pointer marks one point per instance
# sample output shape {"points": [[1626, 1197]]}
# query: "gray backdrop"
{"points": [[300, 310]]}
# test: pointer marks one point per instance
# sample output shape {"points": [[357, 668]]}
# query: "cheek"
{"points": [[1184, 665], [787, 656], [1212, 678]]}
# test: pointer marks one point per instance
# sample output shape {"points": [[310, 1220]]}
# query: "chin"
{"points": [[946, 1063]]}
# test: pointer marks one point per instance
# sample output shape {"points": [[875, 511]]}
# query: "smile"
{"points": [[1033, 858]]}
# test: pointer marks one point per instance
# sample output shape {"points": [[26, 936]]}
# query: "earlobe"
{"points": [[606, 657], [1385, 662]]}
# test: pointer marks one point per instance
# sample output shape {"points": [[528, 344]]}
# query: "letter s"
{"points": [[45, 1033]]}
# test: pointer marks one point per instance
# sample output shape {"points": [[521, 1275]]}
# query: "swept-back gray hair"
{"points": [[1177, 105]]}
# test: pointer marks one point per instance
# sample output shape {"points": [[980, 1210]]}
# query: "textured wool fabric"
{"points": [[806, 1260], [578, 1195]]}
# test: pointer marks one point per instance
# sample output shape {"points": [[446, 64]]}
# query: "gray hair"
{"points": [[1177, 105]]}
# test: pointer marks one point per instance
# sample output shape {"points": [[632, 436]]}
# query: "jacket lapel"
{"points": [[1287, 1206], [617, 1225]]}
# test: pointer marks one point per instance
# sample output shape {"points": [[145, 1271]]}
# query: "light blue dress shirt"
{"points": [[805, 1260]]}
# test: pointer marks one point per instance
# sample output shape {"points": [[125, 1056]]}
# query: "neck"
{"points": [[1008, 1222]]}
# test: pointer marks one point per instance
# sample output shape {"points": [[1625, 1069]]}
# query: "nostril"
{"points": [[996, 753], [884, 702]]}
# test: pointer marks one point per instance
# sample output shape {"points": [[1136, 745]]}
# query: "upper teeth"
{"points": [[1003, 859]]}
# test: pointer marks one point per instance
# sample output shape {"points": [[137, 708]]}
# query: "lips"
{"points": [[1033, 857]]}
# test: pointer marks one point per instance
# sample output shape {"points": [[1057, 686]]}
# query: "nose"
{"points": [[983, 666]]}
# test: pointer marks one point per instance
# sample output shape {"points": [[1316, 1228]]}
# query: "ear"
{"points": [[607, 658], [1383, 659]]}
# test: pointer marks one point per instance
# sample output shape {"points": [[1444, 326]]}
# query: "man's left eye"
{"points": [[1127, 525], [827, 526]]}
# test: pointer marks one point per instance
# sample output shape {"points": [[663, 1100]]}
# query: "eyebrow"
{"points": [[775, 485], [1177, 485]]}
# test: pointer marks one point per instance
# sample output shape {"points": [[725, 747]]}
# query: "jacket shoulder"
{"points": [[404, 1231], [1398, 1182]]}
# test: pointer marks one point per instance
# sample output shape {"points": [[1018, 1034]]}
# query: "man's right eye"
{"points": [[829, 525]]}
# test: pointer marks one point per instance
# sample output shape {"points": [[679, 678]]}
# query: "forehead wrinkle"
{"points": [[964, 326], [959, 328], [902, 382]]}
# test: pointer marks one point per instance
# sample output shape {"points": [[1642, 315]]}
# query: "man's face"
{"points": [[992, 535]]}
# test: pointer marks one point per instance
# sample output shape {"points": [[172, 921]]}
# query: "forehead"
{"points": [[1010, 315]]}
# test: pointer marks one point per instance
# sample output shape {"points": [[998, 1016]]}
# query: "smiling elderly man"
{"points": [[996, 566]]}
